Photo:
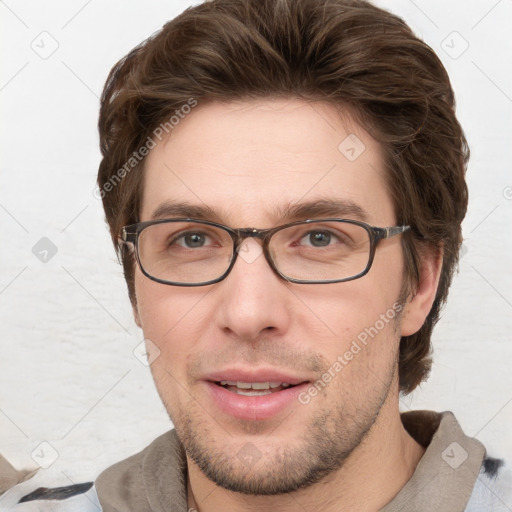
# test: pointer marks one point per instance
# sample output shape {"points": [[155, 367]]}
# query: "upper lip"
{"points": [[254, 375]]}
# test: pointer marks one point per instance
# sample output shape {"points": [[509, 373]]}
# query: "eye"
{"points": [[319, 238], [191, 240]]}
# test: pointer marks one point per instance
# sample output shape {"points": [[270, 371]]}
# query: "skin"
{"points": [[346, 449]]}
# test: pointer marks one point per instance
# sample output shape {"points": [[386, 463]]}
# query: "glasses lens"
{"points": [[184, 252], [321, 251]]}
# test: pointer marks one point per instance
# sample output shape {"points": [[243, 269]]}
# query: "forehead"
{"points": [[246, 163]]}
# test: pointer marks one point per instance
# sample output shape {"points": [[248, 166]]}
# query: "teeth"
{"points": [[253, 392], [255, 385], [259, 385]]}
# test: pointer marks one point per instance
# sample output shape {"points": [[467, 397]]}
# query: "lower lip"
{"points": [[255, 408]]}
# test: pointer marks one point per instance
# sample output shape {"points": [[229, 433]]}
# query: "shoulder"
{"points": [[126, 485], [33, 496], [128, 472], [134, 483], [37, 491], [493, 487]]}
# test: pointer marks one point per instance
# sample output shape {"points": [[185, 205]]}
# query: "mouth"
{"points": [[254, 395], [254, 388]]}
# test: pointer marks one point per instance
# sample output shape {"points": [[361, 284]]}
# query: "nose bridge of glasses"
{"points": [[251, 233], [246, 246]]}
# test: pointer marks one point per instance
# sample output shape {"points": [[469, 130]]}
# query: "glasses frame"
{"points": [[130, 235]]}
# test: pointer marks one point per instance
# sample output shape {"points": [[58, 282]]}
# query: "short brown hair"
{"points": [[345, 52]]}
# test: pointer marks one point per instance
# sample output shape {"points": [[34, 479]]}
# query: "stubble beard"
{"points": [[328, 441]]}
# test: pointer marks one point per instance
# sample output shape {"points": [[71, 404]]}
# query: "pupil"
{"points": [[194, 240], [320, 239]]}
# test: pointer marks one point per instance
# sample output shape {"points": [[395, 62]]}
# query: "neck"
{"points": [[370, 477]]}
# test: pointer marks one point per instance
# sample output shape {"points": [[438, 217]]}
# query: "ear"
{"points": [[419, 303]]}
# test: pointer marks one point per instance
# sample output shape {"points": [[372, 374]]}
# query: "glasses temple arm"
{"points": [[395, 230]]}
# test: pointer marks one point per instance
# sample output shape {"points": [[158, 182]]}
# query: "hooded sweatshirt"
{"points": [[454, 475]]}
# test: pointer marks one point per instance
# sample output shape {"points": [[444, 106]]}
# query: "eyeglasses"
{"points": [[189, 252]]}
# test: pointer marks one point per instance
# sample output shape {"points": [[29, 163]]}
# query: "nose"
{"points": [[253, 299]]}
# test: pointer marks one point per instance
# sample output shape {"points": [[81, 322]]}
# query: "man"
{"points": [[284, 183]]}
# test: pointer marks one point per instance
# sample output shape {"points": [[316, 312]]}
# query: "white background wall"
{"points": [[68, 376]]}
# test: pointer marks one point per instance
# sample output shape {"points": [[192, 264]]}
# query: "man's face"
{"points": [[249, 162]]}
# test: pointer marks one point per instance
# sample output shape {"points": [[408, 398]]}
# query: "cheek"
{"points": [[357, 333], [340, 312], [368, 341], [169, 318]]}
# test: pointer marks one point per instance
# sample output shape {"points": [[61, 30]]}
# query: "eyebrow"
{"points": [[339, 208], [321, 208]]}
